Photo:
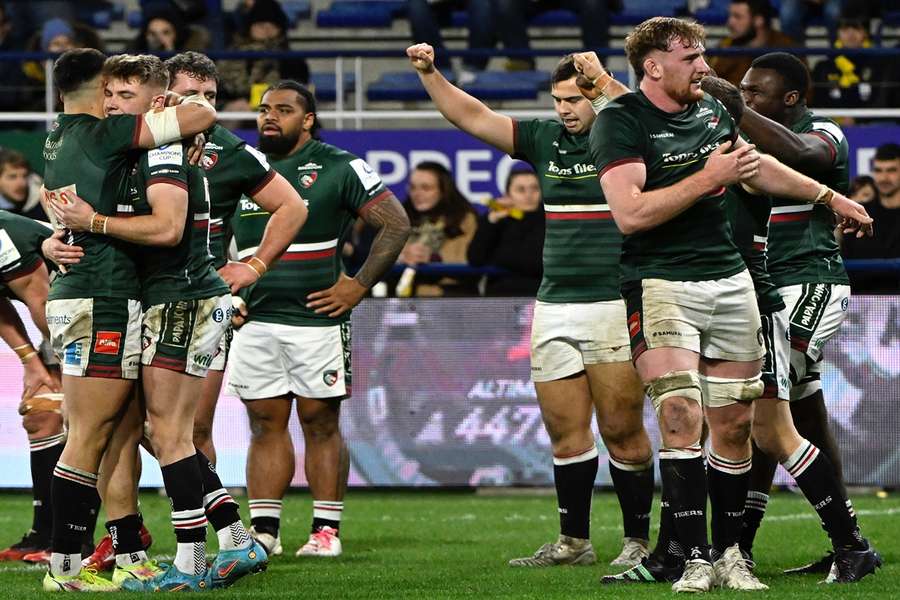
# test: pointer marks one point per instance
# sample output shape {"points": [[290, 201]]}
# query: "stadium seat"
{"points": [[403, 86], [297, 10], [508, 85], [326, 88], [636, 11], [551, 18], [715, 13], [360, 13]]}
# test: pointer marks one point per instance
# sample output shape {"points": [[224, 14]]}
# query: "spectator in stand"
{"points": [[793, 16], [243, 82], [426, 17], [163, 30], [886, 212], [863, 190], [513, 15], [849, 81], [511, 236], [20, 189], [443, 223], [749, 26]]}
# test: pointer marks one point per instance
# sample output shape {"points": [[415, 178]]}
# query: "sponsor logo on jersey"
{"points": [[165, 155], [209, 161], [58, 319], [307, 179], [367, 175], [845, 303], [9, 254], [577, 169], [73, 354], [330, 377], [107, 342], [310, 166], [203, 360], [218, 315], [178, 324], [249, 205], [703, 112], [662, 134]]}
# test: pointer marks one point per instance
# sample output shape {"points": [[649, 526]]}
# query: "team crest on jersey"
{"points": [[713, 122], [209, 161], [307, 179]]}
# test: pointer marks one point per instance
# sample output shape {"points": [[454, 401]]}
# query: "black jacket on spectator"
{"points": [[884, 244], [515, 245]]}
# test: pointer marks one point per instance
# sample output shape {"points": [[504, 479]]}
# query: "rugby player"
{"points": [[186, 310], [93, 311], [24, 276], [296, 339], [805, 264], [664, 156], [580, 361], [233, 168]]}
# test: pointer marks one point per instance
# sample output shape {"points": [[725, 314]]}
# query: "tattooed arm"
{"points": [[389, 218]]}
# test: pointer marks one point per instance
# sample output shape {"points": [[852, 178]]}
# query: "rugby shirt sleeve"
{"points": [[615, 140], [362, 186]]}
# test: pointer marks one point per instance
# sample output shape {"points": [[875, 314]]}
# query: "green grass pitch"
{"points": [[427, 545]]}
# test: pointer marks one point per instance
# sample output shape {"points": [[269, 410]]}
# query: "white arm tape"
{"points": [[599, 102], [163, 125]]}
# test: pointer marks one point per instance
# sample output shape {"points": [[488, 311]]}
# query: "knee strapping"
{"points": [[674, 384], [724, 391], [48, 402]]}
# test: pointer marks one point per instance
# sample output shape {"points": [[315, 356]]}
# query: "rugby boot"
{"points": [[850, 566], [734, 572], [323, 542], [168, 580], [564, 551], [651, 569], [231, 565], [30, 543], [633, 551], [87, 580], [823, 565], [698, 577]]}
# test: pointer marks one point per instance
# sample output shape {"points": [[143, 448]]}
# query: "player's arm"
{"points": [[802, 151], [464, 111], [12, 331], [777, 179], [635, 210], [288, 214], [164, 227], [161, 126], [387, 216], [32, 290], [595, 83]]}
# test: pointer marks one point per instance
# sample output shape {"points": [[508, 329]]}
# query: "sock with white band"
{"points": [[327, 513], [265, 515], [633, 482], [574, 478], [728, 480]]}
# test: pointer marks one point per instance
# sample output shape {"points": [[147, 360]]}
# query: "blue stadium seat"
{"points": [[508, 85], [401, 86], [716, 13], [297, 10], [636, 11], [360, 13], [326, 88], [551, 18]]}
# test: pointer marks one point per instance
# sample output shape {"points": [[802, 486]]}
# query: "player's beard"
{"points": [[278, 145]]}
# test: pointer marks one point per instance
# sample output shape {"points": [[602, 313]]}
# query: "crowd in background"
{"points": [[505, 234]]}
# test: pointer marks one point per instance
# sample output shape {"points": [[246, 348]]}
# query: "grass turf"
{"points": [[448, 545]]}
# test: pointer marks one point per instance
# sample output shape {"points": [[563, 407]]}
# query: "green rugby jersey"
{"points": [[90, 157], [184, 271], [802, 248], [20, 247], [335, 185], [695, 245], [233, 169], [581, 242], [748, 215]]}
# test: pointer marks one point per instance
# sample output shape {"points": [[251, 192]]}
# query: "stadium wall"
{"points": [[442, 397]]}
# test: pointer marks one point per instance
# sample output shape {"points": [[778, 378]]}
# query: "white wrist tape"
{"points": [[163, 125], [197, 99], [599, 102]]}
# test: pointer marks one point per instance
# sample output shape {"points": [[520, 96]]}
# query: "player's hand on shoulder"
{"points": [[727, 93], [339, 298], [854, 218], [422, 57], [59, 252], [195, 150], [725, 167], [73, 212]]}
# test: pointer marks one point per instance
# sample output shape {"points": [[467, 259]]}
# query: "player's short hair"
{"points": [[197, 65], [564, 70], [791, 69], [12, 158], [758, 8], [145, 68], [889, 151], [307, 100], [74, 68], [658, 33]]}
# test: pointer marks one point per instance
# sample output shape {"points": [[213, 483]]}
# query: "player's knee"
{"points": [[678, 391], [725, 391], [42, 424], [320, 425], [620, 433], [264, 420], [735, 432], [769, 440]]}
